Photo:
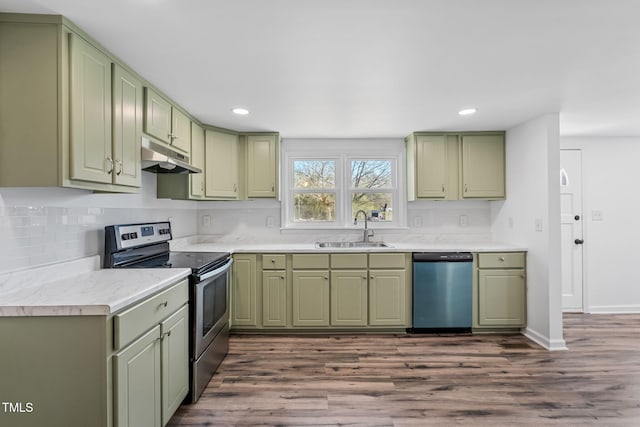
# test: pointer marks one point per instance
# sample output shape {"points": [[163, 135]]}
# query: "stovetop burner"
{"points": [[147, 246]]}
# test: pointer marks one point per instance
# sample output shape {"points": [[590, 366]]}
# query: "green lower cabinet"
{"points": [[387, 298], [349, 298], [311, 298], [137, 382], [244, 291], [175, 361], [501, 298], [274, 298]]}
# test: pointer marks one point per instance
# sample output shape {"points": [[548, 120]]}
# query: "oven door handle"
{"points": [[217, 271]]}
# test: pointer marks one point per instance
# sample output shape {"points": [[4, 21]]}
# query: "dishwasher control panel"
{"points": [[443, 256]]}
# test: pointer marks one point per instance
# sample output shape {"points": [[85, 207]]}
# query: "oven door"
{"points": [[211, 306]]}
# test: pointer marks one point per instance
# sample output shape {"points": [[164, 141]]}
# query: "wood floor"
{"points": [[417, 380]]}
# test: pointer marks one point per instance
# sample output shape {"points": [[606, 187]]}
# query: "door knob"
{"points": [[577, 217], [578, 241]]}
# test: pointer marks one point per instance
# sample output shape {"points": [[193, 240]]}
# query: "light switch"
{"points": [[417, 221], [206, 220], [269, 221], [463, 220]]}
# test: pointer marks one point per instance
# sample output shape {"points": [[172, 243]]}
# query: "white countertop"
{"points": [[79, 288], [310, 247]]}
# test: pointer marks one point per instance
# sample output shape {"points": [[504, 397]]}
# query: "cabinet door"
{"points": [[431, 166], [349, 297], [387, 297], [243, 290], [311, 298], [137, 382], [197, 160], [483, 166], [221, 163], [180, 131], [90, 104], [157, 116], [127, 127], [175, 361], [501, 298], [274, 298], [262, 157]]}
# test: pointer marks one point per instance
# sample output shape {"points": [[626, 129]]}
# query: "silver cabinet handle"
{"points": [[110, 160], [121, 168], [235, 188], [501, 259]]}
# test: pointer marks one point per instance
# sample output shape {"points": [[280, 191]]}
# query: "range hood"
{"points": [[158, 158]]}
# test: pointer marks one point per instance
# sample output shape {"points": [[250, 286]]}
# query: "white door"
{"points": [[571, 229]]}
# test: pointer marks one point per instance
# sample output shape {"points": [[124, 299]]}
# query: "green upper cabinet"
{"points": [[73, 100], [180, 131], [197, 159], [90, 133], [221, 164], [453, 166], [262, 165], [483, 166], [165, 122], [127, 127]]}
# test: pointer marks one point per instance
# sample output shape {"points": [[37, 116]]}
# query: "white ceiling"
{"points": [[378, 68]]}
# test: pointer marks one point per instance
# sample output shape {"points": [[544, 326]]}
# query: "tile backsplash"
{"points": [[42, 226], [36, 235], [47, 225]]}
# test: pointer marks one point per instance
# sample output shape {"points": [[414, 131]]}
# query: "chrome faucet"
{"points": [[367, 233]]}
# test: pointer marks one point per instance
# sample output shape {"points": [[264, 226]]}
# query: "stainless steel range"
{"points": [[146, 246]]}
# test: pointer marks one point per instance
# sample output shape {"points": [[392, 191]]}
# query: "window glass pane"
{"points": [[314, 207], [371, 174], [378, 206], [314, 174]]}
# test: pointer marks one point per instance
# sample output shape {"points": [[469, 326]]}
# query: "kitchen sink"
{"points": [[351, 245]]}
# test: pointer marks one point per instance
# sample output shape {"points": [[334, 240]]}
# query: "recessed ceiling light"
{"points": [[240, 111], [467, 111]]}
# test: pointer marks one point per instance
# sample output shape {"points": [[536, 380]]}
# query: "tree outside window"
{"points": [[314, 190], [369, 179]]}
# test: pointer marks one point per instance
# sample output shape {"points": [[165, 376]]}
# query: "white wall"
{"points": [[46, 225], [611, 183], [246, 222], [533, 158]]}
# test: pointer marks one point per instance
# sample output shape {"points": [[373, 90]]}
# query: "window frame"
{"points": [[343, 152]]}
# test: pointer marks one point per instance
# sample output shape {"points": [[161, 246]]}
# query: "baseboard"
{"points": [[614, 309], [543, 341]]}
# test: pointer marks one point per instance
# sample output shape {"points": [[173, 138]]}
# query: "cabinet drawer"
{"points": [[274, 262], [387, 260], [501, 260], [134, 321], [348, 260], [317, 261]]}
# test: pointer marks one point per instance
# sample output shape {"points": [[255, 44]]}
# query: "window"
{"points": [[314, 190], [326, 182]]}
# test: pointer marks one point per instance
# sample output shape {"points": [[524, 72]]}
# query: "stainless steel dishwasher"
{"points": [[442, 292]]}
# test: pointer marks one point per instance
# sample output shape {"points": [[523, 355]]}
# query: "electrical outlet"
{"points": [[417, 221], [597, 215], [538, 224], [270, 222], [206, 220], [463, 220]]}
